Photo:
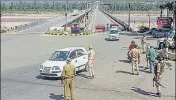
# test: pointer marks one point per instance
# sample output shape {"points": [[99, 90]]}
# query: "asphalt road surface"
{"points": [[21, 56]]}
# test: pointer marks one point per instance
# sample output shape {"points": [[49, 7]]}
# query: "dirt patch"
{"points": [[12, 20]]}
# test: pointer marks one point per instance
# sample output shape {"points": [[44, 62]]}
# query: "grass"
{"points": [[32, 12]]}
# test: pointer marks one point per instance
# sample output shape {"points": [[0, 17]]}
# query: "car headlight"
{"points": [[56, 68], [41, 66]]}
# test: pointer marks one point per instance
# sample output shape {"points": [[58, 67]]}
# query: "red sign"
{"points": [[163, 20], [113, 25], [76, 28], [100, 28]]}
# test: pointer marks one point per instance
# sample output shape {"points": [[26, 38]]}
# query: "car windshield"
{"points": [[114, 32], [59, 56]]}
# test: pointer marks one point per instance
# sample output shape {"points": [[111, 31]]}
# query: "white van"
{"points": [[114, 34]]}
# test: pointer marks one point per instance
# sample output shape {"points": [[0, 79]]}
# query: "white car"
{"points": [[170, 40], [53, 67], [114, 34]]}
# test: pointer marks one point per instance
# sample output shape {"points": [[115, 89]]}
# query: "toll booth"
{"points": [[75, 28]]}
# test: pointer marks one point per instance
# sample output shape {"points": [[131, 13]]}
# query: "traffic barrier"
{"points": [[61, 34]]}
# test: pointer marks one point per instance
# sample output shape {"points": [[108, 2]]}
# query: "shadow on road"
{"points": [[148, 38], [124, 61], [56, 97], [120, 71], [47, 78], [141, 67], [83, 75], [140, 91], [145, 71]]}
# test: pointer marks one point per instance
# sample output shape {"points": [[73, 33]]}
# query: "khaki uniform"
{"points": [[91, 58], [143, 43], [158, 81], [165, 52], [68, 77], [147, 59], [135, 54], [165, 49]]}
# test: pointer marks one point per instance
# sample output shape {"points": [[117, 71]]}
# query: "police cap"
{"points": [[68, 60]]}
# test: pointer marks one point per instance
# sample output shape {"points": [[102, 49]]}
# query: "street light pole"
{"points": [[149, 18], [129, 17], [85, 16], [174, 16], [66, 15]]}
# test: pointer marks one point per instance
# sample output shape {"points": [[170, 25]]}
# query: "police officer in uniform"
{"points": [[67, 78], [159, 68], [91, 61], [135, 57], [143, 43], [147, 58], [165, 49]]}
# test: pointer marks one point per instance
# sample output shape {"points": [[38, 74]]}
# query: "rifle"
{"points": [[153, 82], [157, 83], [168, 65]]}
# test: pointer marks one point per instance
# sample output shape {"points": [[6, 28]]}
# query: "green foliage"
{"points": [[136, 6], [37, 6], [3, 31]]}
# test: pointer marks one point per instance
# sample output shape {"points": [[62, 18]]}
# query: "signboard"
{"points": [[100, 28], [164, 20], [113, 25]]}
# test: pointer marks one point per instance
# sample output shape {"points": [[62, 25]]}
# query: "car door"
{"points": [[82, 58], [73, 57]]}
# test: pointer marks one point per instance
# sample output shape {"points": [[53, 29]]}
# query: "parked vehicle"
{"points": [[170, 39], [159, 33], [53, 67], [143, 29], [151, 31]]}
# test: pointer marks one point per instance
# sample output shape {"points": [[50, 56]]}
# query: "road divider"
{"points": [[69, 34]]}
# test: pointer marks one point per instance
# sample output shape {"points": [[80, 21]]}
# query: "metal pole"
{"points": [[149, 19], [129, 17], [66, 14], [174, 13], [85, 16], [115, 7]]}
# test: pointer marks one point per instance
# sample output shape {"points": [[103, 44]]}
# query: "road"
{"points": [[22, 55]]}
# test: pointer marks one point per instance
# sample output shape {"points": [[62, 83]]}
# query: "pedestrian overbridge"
{"points": [[122, 23], [80, 18]]}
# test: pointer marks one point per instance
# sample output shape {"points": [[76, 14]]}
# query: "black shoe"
{"points": [[132, 73], [158, 94], [137, 74]]}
